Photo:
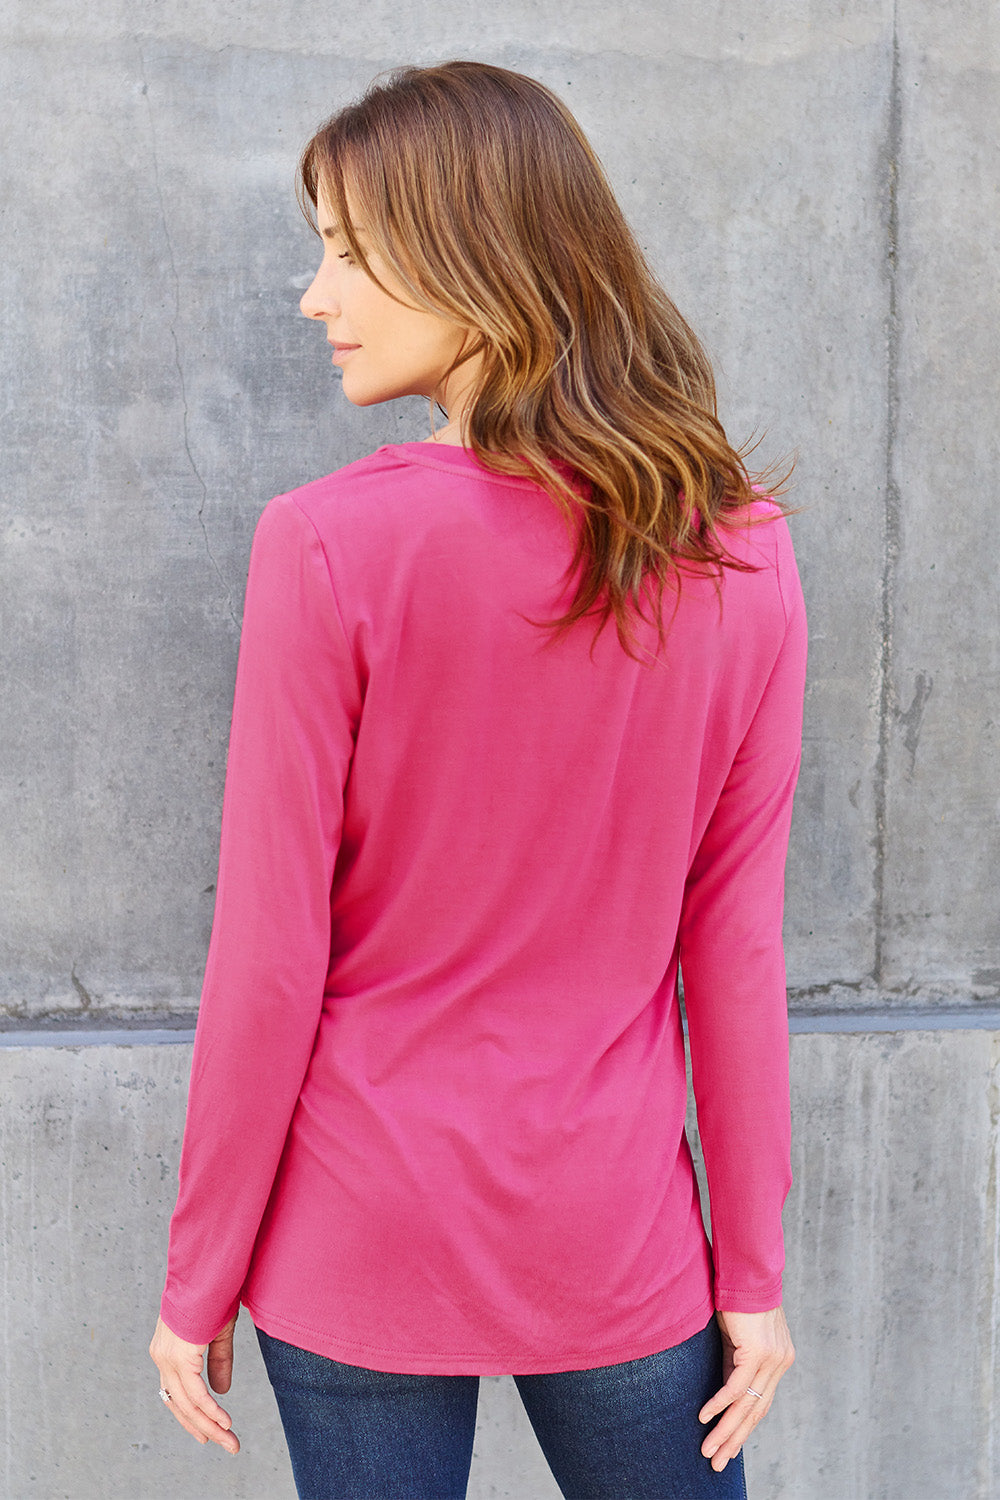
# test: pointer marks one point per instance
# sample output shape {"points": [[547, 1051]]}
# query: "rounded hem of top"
{"points": [[368, 1357]]}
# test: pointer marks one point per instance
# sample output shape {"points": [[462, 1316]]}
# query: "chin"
{"points": [[369, 397]]}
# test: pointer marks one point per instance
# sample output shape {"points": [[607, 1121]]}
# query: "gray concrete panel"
{"points": [[942, 894], [90, 1146], [162, 388], [161, 371], [893, 1245]]}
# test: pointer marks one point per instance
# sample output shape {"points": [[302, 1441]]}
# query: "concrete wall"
{"points": [[816, 182]]}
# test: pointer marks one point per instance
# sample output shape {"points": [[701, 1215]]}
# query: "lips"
{"points": [[341, 352]]}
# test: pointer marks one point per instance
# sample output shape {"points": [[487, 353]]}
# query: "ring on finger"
{"points": [[749, 1391], [165, 1396]]}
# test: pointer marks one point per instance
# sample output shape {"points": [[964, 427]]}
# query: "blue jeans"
{"points": [[621, 1432]]}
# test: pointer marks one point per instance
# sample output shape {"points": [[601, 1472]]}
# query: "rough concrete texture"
{"points": [[816, 184], [892, 1286], [812, 184], [943, 729]]}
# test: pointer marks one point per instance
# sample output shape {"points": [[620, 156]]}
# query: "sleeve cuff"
{"points": [[195, 1329], [762, 1299]]}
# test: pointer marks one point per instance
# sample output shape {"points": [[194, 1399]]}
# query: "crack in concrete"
{"points": [[886, 699], [914, 715], [177, 347], [86, 999], [851, 994]]}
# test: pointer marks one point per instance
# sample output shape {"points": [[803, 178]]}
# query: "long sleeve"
{"points": [[296, 708], [732, 963]]}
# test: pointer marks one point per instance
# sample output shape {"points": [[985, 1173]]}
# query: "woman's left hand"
{"points": [[180, 1367], [756, 1352]]}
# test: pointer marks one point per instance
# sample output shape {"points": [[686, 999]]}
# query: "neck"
{"points": [[451, 433], [454, 399]]}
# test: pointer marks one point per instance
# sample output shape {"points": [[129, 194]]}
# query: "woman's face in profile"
{"points": [[384, 347]]}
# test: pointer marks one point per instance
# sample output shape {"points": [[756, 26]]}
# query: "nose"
{"points": [[318, 299]]}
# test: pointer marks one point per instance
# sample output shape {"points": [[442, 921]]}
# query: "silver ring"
{"points": [[164, 1395], [750, 1392]]}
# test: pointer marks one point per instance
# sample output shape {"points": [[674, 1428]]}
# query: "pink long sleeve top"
{"points": [[436, 1119]]}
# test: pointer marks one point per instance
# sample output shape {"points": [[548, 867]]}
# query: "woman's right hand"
{"points": [[180, 1367]]}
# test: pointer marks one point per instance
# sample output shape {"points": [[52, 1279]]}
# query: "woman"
{"points": [[515, 738]]}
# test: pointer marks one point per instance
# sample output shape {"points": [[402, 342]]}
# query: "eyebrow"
{"points": [[332, 231]]}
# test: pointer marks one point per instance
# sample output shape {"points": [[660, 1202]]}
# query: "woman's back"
{"points": [[512, 818]]}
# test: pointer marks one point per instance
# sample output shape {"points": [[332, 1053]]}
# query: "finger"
{"points": [[197, 1410], [204, 1429], [744, 1411], [736, 1388], [733, 1429], [220, 1360], [760, 1374], [220, 1370]]}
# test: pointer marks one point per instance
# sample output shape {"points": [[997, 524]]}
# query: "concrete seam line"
{"points": [[889, 1020], [860, 1023], [95, 1038]]}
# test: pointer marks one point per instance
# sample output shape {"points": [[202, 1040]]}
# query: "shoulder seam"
{"points": [[290, 497]]}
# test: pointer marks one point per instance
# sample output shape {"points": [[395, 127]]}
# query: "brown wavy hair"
{"points": [[481, 193]]}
